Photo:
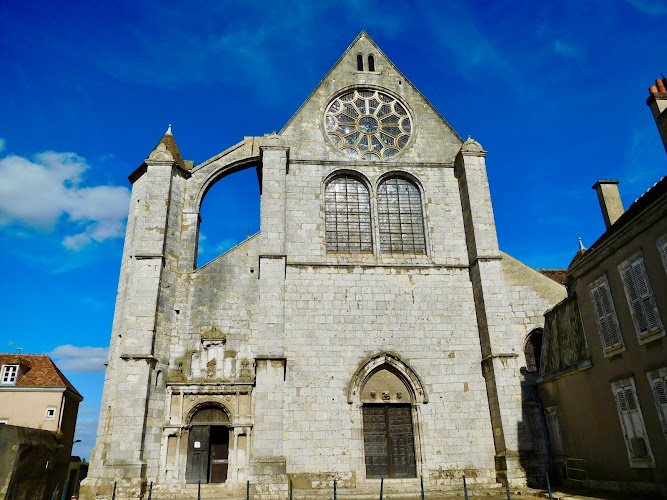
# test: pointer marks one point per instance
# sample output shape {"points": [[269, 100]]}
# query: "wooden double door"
{"points": [[208, 454], [389, 443]]}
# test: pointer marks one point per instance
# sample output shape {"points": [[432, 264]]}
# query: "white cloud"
{"points": [[80, 359], [86, 431], [47, 190], [225, 244], [655, 7], [567, 49]]}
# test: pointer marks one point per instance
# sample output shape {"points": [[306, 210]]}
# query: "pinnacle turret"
{"points": [[168, 145]]}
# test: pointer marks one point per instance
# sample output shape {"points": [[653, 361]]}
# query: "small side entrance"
{"points": [[388, 441], [208, 447]]}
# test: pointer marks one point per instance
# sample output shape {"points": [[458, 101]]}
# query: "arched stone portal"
{"points": [[388, 391], [208, 446]]}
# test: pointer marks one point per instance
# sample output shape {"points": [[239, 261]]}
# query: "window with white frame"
{"points": [[640, 298], [605, 316], [50, 413], [662, 248], [658, 381], [4, 421], [9, 374], [632, 423]]}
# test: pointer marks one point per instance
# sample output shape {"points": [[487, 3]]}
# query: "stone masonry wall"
{"points": [[338, 316]]}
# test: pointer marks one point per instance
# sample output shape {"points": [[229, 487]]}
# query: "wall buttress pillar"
{"points": [[268, 465], [493, 311]]}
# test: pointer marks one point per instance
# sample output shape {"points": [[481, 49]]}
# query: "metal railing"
{"points": [[335, 489]]}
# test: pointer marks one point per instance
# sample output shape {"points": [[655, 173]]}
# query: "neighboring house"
{"points": [[604, 360], [372, 329], [34, 393]]}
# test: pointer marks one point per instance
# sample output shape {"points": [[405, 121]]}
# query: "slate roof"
{"points": [[652, 195], [39, 371], [642, 203], [171, 146]]}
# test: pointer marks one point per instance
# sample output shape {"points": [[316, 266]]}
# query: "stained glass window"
{"points": [[400, 218], [367, 119], [348, 216]]}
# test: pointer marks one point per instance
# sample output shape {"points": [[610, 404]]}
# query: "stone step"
{"points": [[405, 489]]}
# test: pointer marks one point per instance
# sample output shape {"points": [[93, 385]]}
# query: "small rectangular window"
{"points": [[4, 421], [632, 423], [605, 316], [50, 414], [658, 381], [640, 299], [9, 374]]}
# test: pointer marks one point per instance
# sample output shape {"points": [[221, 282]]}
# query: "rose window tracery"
{"points": [[368, 124]]}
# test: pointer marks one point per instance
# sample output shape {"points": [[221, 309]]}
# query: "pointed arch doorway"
{"points": [[208, 446], [389, 444]]}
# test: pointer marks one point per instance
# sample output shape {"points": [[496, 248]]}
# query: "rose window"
{"points": [[368, 124]]}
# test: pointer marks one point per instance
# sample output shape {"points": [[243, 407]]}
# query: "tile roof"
{"points": [[558, 275], [39, 371]]}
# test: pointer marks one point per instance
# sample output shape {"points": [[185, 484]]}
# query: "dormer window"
{"points": [[9, 374]]}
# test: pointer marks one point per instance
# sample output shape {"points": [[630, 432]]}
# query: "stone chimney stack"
{"points": [[610, 201], [657, 101]]}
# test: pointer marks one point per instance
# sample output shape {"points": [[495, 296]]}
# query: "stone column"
{"points": [[494, 316], [268, 464]]}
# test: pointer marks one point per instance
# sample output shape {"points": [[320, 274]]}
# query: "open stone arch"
{"points": [[208, 413], [203, 185], [391, 362], [241, 157]]}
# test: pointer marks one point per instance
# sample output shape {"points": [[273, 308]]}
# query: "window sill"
{"points": [[650, 336], [610, 352], [642, 463]]}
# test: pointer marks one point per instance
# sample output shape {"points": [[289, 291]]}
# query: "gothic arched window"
{"points": [[371, 63], [400, 218], [360, 62], [533, 350], [348, 216]]}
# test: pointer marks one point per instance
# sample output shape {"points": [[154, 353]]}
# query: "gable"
{"points": [[427, 138]]}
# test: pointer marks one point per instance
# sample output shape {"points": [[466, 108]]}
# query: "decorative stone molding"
{"points": [[404, 371]]}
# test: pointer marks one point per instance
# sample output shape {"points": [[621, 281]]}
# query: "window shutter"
{"points": [[660, 391], [663, 250], [631, 422], [645, 295], [634, 298], [599, 315], [605, 315], [640, 296]]}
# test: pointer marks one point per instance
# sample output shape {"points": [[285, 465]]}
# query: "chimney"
{"points": [[610, 201], [657, 101]]}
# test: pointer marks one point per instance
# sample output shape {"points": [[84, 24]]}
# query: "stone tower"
{"points": [[371, 329]]}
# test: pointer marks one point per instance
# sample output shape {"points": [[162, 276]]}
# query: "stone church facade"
{"points": [[371, 329]]}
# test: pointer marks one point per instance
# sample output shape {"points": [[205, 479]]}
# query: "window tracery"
{"points": [[348, 216], [400, 217], [368, 124]]}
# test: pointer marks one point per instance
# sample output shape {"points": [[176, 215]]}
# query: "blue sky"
{"points": [[555, 91]]}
